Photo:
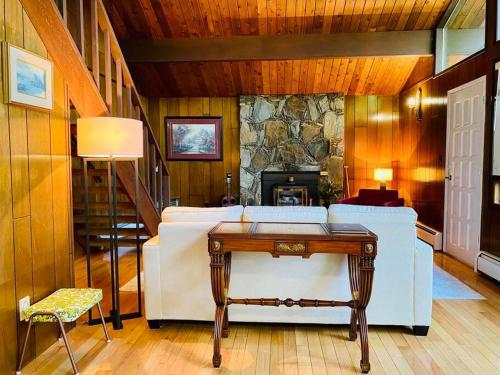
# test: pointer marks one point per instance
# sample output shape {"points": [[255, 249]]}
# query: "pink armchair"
{"points": [[375, 197]]}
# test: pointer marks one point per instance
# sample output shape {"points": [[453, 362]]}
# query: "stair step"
{"points": [[91, 172], [96, 189], [103, 206], [104, 242], [121, 219], [105, 231]]}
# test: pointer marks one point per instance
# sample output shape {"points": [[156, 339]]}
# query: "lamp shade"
{"points": [[109, 137], [382, 174]]}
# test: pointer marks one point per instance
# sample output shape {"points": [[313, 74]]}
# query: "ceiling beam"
{"points": [[280, 47]]}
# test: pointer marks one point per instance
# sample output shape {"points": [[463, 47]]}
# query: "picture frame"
{"points": [[193, 138], [29, 78]]}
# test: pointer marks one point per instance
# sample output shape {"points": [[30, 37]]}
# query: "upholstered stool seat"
{"points": [[63, 306], [67, 304]]}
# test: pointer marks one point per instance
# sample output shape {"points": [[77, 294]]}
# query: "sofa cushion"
{"points": [[375, 214], [199, 214], [289, 214]]}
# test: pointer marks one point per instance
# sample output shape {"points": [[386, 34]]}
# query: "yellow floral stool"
{"points": [[63, 306]]}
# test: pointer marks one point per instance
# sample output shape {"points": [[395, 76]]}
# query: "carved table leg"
{"points": [[219, 316], [366, 268], [353, 329], [363, 333], [219, 269], [354, 283], [227, 277]]}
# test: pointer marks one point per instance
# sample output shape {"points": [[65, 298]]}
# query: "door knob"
{"points": [[449, 177]]}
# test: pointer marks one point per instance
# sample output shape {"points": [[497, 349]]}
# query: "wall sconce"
{"points": [[415, 103]]}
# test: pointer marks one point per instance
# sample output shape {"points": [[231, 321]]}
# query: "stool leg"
{"points": [[108, 340], [24, 347], [68, 348]]}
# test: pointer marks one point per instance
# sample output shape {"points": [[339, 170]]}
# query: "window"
{"points": [[498, 20], [461, 33], [496, 126]]}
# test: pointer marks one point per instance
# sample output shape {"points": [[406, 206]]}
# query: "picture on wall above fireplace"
{"points": [[193, 138]]}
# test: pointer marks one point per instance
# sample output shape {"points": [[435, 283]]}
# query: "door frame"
{"points": [[482, 80]]}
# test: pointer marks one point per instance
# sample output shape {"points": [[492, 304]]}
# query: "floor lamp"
{"points": [[109, 140]]}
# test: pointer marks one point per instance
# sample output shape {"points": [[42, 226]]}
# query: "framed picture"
{"points": [[193, 138], [28, 78]]}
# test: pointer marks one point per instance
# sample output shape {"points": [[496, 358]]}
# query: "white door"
{"points": [[464, 162]]}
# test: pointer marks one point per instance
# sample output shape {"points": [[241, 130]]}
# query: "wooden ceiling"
{"points": [[205, 18], [159, 19], [361, 76], [470, 15]]}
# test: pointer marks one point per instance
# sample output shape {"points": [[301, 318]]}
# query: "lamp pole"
{"points": [[112, 140]]}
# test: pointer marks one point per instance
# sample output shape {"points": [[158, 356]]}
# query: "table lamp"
{"points": [[383, 175], [109, 140]]}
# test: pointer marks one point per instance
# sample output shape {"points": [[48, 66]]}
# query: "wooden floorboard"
{"points": [[464, 339]]}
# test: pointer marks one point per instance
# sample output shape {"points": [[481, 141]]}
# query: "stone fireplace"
{"points": [[290, 134]]}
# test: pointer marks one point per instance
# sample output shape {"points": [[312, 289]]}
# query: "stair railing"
{"points": [[118, 90]]}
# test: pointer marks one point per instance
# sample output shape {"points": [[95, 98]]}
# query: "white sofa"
{"points": [[177, 275]]}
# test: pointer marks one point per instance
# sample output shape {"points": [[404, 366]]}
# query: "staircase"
{"points": [[80, 40], [99, 209]]}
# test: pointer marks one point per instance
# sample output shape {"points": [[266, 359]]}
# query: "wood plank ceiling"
{"points": [[470, 15], [158, 19]]}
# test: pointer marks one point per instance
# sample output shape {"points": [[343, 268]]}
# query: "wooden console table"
{"points": [[297, 239]]}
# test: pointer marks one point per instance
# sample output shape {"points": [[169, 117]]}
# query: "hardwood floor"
{"points": [[464, 339]]}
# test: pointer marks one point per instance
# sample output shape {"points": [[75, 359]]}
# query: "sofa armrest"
{"points": [[423, 283], [351, 200], [152, 278]]}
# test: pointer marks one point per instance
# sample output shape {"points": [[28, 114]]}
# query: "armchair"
{"points": [[375, 197]]}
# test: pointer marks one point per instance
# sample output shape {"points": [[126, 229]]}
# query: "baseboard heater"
{"points": [[489, 264], [430, 235]]}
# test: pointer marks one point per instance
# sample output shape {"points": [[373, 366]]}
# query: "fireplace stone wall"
{"points": [[290, 133]]}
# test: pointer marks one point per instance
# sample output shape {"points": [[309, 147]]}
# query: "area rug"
{"points": [[446, 286]]}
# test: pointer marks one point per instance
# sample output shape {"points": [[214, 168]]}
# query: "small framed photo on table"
{"points": [[193, 138], [28, 78]]}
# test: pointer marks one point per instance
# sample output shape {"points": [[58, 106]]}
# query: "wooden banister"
{"points": [[81, 26], [116, 52], [94, 31], [52, 29], [108, 79], [84, 81], [119, 88]]}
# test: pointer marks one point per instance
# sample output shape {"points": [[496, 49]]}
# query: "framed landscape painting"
{"points": [[29, 78], [193, 138]]}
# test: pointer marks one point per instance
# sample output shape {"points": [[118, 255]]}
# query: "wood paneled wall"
{"points": [[371, 133], [422, 167], [201, 183], [371, 125], [35, 205]]}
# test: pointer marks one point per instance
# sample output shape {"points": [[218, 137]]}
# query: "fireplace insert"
{"points": [[289, 188]]}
